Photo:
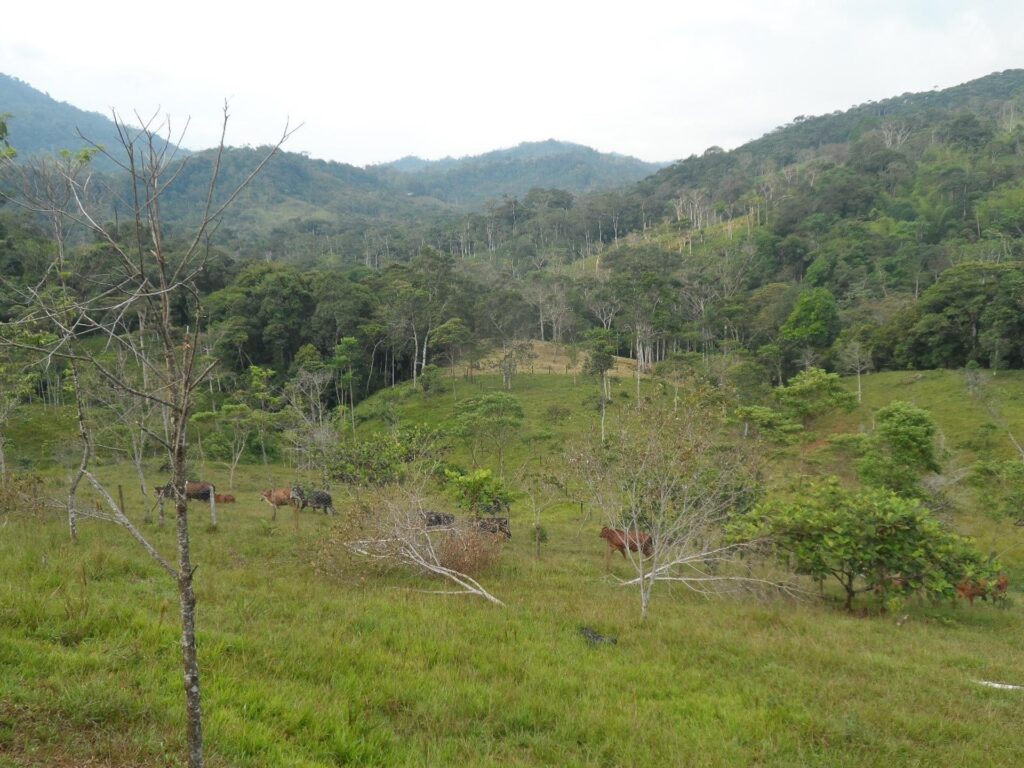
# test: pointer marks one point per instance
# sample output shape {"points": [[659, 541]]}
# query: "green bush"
{"points": [[868, 541]]}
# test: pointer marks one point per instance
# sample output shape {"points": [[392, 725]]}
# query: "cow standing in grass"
{"points": [[315, 499], [277, 497], [196, 491], [634, 541]]}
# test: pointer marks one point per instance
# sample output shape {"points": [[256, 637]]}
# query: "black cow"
{"points": [[198, 491], [438, 519], [494, 525], [315, 499]]}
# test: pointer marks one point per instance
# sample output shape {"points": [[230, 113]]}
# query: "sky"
{"points": [[372, 82]]}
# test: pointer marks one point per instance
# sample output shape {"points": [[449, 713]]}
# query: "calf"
{"points": [[277, 497], [438, 519], [224, 498], [494, 525], [315, 499]]}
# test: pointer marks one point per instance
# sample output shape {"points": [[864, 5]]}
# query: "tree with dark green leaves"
{"points": [[814, 321], [867, 541], [899, 450], [813, 393]]}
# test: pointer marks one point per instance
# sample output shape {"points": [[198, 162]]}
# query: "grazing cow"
{"points": [[1002, 584], [494, 525], [199, 491], [224, 498], [315, 499], [438, 519], [277, 497], [970, 589], [621, 540]]}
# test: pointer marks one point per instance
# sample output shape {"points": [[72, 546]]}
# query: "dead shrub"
{"points": [[22, 494], [468, 551]]}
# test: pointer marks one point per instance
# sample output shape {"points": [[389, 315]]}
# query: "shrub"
{"points": [[868, 541], [557, 414], [469, 551]]}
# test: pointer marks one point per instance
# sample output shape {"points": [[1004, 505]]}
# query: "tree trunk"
{"points": [[604, 380], [83, 431], [193, 704]]}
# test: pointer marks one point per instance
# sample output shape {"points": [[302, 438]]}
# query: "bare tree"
{"points": [[513, 354], [397, 532], [668, 482], [314, 432], [855, 358], [895, 133], [78, 302]]}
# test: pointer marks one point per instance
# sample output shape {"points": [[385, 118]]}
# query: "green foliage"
{"points": [[601, 347], [478, 492], [384, 458], [898, 451], [432, 380], [1000, 484], [813, 393], [973, 312], [307, 358], [814, 320], [492, 419], [868, 541], [769, 423]]}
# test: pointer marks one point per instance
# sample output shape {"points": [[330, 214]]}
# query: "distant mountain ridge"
{"points": [[515, 171], [38, 124]]}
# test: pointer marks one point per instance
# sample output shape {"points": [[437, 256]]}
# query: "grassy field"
{"points": [[311, 660]]}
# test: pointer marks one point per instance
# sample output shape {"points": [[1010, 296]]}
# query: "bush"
{"points": [[479, 493], [469, 551], [869, 541], [557, 414]]}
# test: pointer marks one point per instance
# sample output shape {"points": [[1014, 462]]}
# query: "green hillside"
{"points": [[311, 659], [513, 172], [40, 125]]}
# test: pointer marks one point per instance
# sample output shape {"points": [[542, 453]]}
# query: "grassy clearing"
{"points": [[311, 660]]}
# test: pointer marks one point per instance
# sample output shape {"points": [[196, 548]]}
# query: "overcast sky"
{"points": [[376, 81]]}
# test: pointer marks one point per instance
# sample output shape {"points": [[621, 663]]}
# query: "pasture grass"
{"points": [[310, 659]]}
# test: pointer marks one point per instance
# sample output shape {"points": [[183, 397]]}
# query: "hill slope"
{"points": [[39, 124], [365, 667], [514, 172]]}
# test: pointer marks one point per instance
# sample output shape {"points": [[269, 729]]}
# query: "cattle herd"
{"points": [[618, 540]]}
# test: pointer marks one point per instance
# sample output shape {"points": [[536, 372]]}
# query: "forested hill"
{"points": [[980, 106], [887, 236], [39, 124], [298, 209], [514, 172]]}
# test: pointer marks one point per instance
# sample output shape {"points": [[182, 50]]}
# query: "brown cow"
{"points": [[1002, 584], [635, 540], [277, 497], [224, 498], [199, 491], [970, 589]]}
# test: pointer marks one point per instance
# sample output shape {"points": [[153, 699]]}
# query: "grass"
{"points": [[311, 660]]}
